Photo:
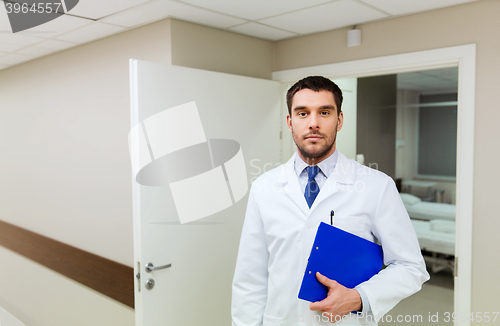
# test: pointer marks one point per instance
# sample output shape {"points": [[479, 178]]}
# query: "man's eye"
{"points": [[325, 113], [302, 114]]}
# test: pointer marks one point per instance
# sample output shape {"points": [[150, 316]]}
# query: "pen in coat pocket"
{"points": [[332, 213]]}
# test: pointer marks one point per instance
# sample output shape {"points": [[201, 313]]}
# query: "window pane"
{"points": [[437, 136]]}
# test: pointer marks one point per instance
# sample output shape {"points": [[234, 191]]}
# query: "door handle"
{"points": [[150, 267]]}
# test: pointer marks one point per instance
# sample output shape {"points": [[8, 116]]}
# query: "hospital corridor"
{"points": [[166, 162]]}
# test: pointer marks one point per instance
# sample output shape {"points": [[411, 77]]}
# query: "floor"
{"points": [[431, 305]]}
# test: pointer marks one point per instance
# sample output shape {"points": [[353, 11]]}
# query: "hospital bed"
{"points": [[421, 210], [434, 224]]}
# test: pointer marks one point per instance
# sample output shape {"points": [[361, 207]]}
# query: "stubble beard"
{"points": [[316, 154]]}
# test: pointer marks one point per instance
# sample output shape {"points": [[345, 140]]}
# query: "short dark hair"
{"points": [[315, 83]]}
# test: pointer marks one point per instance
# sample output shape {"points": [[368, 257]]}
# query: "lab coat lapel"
{"points": [[291, 185], [343, 174]]}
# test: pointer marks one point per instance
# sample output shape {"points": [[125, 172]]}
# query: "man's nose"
{"points": [[313, 122]]}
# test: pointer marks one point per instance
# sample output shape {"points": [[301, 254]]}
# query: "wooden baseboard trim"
{"points": [[110, 278]]}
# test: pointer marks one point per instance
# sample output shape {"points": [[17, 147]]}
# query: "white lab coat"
{"points": [[279, 231]]}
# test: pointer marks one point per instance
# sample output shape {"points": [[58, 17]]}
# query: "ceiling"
{"points": [[267, 19], [434, 81]]}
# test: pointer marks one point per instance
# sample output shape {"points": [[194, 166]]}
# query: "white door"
{"points": [[346, 138], [168, 229]]}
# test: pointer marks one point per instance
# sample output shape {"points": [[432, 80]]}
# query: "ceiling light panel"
{"points": [[96, 9], [18, 38], [262, 31], [161, 9], [8, 47], [90, 32], [58, 26], [34, 52], [401, 7], [55, 45], [325, 17], [12, 59], [255, 9]]}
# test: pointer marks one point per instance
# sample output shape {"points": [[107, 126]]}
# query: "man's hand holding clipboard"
{"points": [[339, 261]]}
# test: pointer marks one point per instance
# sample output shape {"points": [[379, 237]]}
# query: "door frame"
{"points": [[464, 57]]}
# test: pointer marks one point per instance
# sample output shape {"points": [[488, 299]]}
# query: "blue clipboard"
{"points": [[340, 256]]}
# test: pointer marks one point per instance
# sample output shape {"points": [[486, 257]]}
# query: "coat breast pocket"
{"points": [[353, 224]]}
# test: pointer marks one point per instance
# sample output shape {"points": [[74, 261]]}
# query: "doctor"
{"points": [[285, 208]]}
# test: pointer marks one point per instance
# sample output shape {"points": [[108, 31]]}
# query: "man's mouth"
{"points": [[314, 138]]}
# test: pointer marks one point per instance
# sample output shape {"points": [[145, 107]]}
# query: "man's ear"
{"points": [[289, 122], [340, 122]]}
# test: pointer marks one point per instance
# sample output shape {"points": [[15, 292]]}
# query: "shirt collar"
{"points": [[327, 165]]}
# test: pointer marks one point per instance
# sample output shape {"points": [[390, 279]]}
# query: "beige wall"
{"points": [[208, 48], [470, 23], [64, 121]]}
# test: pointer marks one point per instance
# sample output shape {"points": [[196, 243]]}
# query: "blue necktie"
{"points": [[312, 188]]}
